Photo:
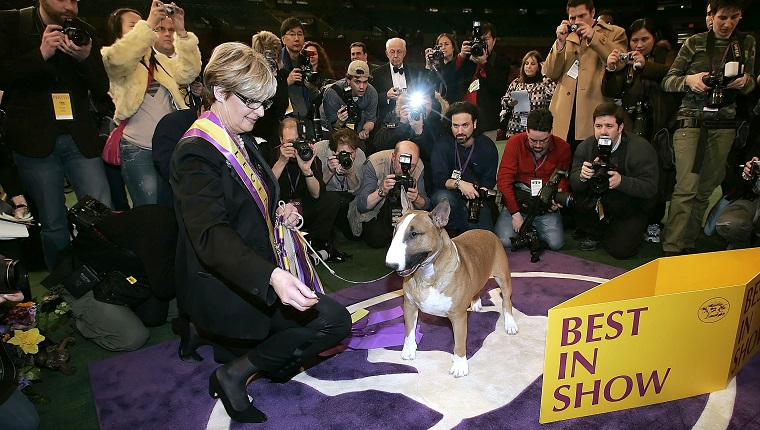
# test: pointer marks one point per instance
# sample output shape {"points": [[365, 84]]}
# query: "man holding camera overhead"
{"points": [[488, 75], [614, 179], [385, 176], [299, 174], [49, 62], [711, 68], [464, 171], [576, 62], [351, 103]]}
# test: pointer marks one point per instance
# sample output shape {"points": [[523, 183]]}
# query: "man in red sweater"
{"points": [[528, 161]]}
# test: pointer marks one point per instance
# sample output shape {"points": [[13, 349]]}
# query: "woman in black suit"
{"points": [[229, 259]]}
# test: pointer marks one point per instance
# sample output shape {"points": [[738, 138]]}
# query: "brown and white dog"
{"points": [[443, 276]]}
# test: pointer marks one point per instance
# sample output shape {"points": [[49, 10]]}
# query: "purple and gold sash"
{"points": [[209, 128]]}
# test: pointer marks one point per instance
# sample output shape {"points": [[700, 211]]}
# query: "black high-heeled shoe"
{"points": [[251, 414], [189, 340]]}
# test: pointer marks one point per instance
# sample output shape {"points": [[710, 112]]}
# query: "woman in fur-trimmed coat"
{"points": [[129, 62]]}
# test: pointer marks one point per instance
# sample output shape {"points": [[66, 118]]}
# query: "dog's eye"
{"points": [[413, 234]]}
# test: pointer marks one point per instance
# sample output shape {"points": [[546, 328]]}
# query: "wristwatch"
{"points": [[456, 184], [380, 192]]}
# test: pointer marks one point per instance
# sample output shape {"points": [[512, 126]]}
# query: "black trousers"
{"points": [[378, 232], [624, 223], [296, 336], [319, 216]]}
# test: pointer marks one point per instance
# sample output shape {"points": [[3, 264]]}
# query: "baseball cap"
{"points": [[358, 68]]}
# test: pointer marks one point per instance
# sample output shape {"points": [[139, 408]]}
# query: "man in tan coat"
{"points": [[576, 62]]}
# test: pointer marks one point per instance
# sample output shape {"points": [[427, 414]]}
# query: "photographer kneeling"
{"points": [[529, 160], [464, 171], [614, 176], [385, 175]]}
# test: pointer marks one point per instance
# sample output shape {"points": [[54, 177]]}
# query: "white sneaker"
{"points": [[653, 233]]}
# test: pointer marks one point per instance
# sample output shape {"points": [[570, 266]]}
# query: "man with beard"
{"points": [[462, 164], [528, 162], [47, 78]]}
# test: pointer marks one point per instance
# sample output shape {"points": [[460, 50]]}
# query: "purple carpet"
{"points": [[152, 388]]}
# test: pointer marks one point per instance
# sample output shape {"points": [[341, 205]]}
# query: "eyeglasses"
{"points": [[539, 142], [254, 104]]}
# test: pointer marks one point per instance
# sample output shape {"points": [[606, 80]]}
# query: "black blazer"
{"points": [[382, 81], [492, 88], [29, 81], [224, 258]]}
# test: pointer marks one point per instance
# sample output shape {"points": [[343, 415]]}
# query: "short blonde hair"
{"points": [[264, 41], [235, 67]]}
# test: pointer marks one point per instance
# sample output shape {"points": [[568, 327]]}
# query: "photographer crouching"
{"points": [[464, 171], [526, 169], [614, 176]]}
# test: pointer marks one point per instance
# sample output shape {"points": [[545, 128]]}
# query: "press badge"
{"points": [[535, 187], [573, 72], [474, 86], [456, 175], [62, 106], [524, 119]]}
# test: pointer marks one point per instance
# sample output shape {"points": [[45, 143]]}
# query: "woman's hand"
{"points": [[157, 13], [291, 291], [21, 210]]}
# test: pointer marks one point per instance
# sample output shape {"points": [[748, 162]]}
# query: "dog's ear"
{"points": [[441, 213], [406, 205]]}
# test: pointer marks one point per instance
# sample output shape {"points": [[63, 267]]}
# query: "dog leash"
{"points": [[297, 229]]}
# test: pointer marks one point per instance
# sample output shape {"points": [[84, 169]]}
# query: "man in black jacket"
{"points": [[46, 77], [392, 78], [488, 78]]}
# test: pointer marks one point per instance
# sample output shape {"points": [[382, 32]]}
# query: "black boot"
{"points": [[189, 341], [228, 383]]}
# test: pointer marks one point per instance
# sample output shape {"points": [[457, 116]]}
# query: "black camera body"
{"points": [[754, 170], [715, 94], [303, 149], [345, 160], [572, 28], [405, 179], [550, 192], [308, 74], [477, 47], [13, 276], [600, 181], [79, 36], [475, 205], [88, 212], [436, 57], [354, 113]]}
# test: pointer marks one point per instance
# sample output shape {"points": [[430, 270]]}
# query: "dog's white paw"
{"points": [[459, 367], [477, 305], [409, 352], [510, 325]]}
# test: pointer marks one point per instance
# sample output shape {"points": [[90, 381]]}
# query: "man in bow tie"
{"points": [[393, 78]]}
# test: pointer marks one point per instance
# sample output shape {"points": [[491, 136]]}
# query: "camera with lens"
{"points": [[308, 74], [715, 94], [416, 103], [169, 9], [624, 57], [345, 160], [600, 181], [477, 47], [436, 57], [640, 114], [550, 192], [475, 205], [754, 170], [79, 36], [572, 28], [301, 145], [13, 276], [354, 113], [405, 179]]}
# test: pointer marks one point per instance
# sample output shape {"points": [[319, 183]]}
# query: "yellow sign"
{"points": [[62, 106], [674, 328]]}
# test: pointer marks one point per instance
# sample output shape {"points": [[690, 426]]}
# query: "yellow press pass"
{"points": [[131, 280], [62, 106]]}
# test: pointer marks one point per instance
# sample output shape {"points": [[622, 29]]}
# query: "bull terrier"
{"points": [[443, 277]]}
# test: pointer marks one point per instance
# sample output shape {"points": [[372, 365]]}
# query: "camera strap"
{"points": [[458, 160], [734, 47]]}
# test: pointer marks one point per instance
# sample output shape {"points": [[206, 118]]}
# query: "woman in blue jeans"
{"points": [[145, 84]]}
